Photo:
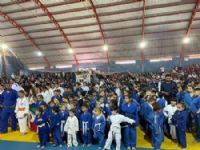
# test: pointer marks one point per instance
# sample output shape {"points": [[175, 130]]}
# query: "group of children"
{"points": [[111, 112]]}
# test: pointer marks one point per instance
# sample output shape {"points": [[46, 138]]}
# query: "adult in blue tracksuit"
{"points": [[98, 126], [41, 122], [169, 88], [179, 119], [9, 97], [55, 125], [156, 120], [130, 110], [86, 125], [195, 109]]}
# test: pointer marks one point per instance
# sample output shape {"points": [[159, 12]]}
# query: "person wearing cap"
{"points": [[22, 110], [9, 99], [195, 108]]}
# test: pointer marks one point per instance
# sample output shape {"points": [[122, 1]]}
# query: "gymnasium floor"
{"points": [[13, 140]]}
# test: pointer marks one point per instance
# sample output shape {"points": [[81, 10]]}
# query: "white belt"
{"points": [[42, 125], [85, 127]]}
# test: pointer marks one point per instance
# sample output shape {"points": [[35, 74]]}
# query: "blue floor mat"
{"points": [[7, 145]]}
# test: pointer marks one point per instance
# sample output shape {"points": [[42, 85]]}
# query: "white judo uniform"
{"points": [[22, 110], [115, 130], [71, 127], [169, 111]]}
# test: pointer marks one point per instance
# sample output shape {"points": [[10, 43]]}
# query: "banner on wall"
{"points": [[83, 77]]}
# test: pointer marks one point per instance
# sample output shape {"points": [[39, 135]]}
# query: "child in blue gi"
{"points": [[64, 113], [99, 124], [187, 99], [86, 126], [161, 100], [40, 101], [55, 125], [130, 110], [57, 96], [41, 122], [179, 119], [1, 101], [195, 109], [156, 119]]}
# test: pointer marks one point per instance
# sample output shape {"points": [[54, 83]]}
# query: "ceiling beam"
{"points": [[105, 30], [107, 37], [142, 33], [54, 21], [21, 30], [150, 16], [99, 25], [117, 12], [189, 28]]}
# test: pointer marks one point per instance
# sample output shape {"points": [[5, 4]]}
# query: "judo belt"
{"points": [[13, 106], [85, 127], [42, 125]]}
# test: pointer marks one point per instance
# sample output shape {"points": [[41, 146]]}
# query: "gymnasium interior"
{"points": [[100, 41]]}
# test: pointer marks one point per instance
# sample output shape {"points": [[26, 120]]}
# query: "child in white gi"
{"points": [[115, 128], [22, 110], [71, 127], [169, 111]]}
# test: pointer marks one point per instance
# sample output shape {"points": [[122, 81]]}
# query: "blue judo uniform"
{"points": [[195, 106], [41, 122], [59, 98], [86, 127], [179, 119], [157, 120], [9, 98], [146, 111], [40, 103], [64, 115], [187, 99], [162, 102], [130, 111], [55, 125], [171, 88], [98, 126], [1, 101]]}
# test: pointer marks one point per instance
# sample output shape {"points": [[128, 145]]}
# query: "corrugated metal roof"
{"points": [[165, 25]]}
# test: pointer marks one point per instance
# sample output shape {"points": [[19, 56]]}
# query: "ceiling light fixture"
{"points": [[105, 47], [143, 44]]}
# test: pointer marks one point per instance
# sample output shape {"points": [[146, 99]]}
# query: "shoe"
{"points": [[54, 145], [38, 146], [60, 145], [133, 148], [83, 145], [99, 147], [88, 145], [42, 147], [129, 148]]}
